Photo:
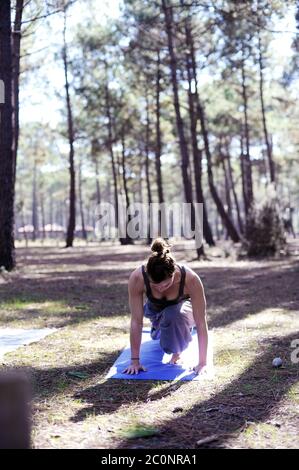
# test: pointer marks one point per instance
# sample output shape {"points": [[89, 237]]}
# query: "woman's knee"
{"points": [[172, 311]]}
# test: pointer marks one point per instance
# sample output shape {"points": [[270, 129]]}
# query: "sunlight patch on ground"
{"points": [[270, 317]]}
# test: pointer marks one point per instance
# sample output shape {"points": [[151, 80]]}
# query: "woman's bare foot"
{"points": [[175, 359]]}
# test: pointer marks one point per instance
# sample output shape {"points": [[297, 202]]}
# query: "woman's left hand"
{"points": [[201, 369]]}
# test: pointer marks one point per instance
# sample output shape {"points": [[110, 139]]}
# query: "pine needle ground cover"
{"points": [[253, 310]]}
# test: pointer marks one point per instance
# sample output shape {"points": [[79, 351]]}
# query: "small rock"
{"points": [[277, 362]]}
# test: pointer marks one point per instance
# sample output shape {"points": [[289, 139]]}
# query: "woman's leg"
{"points": [[176, 324], [155, 318]]}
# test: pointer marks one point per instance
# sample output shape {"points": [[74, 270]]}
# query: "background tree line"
{"points": [[172, 100]]}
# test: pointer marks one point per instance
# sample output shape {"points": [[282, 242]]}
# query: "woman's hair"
{"points": [[161, 264]]}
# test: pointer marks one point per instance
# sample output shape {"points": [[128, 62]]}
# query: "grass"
{"points": [[83, 293]]}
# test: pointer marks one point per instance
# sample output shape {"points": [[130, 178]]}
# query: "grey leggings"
{"points": [[173, 323]]}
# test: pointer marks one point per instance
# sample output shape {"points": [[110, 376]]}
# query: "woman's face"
{"points": [[164, 285]]}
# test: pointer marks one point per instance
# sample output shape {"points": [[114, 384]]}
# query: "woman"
{"points": [[175, 303]]}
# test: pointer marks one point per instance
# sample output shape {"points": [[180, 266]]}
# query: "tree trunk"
{"points": [[72, 197], [94, 156], [127, 240], [227, 187], [98, 190], [246, 156], [147, 146], [123, 164], [197, 155], [158, 131], [84, 234], [147, 160], [42, 210], [168, 17], [158, 149], [140, 179], [232, 184], [265, 128], [51, 205], [242, 169], [16, 48], [23, 219], [179, 121], [7, 249], [34, 204], [200, 114], [227, 222], [110, 148]]}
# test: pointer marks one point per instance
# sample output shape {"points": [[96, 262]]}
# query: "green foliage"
{"points": [[115, 59], [139, 430]]}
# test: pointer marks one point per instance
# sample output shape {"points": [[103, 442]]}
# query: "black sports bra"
{"points": [[163, 302]]}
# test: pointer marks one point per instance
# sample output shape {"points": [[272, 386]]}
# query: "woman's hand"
{"points": [[201, 370], [134, 368]]}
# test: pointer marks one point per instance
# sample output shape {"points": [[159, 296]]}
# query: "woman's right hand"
{"points": [[134, 368]]}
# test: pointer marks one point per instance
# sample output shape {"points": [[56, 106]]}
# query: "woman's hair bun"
{"points": [[160, 246]]}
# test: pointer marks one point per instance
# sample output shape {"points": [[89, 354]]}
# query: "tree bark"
{"points": [[71, 137], [227, 222], [94, 156], [23, 219], [42, 210], [197, 154], [84, 234], [246, 156], [227, 188], [232, 184], [201, 115], [98, 189], [147, 147], [34, 203], [265, 128], [242, 169], [16, 52], [7, 249], [127, 240], [168, 18], [110, 148], [147, 160], [179, 121], [158, 131]]}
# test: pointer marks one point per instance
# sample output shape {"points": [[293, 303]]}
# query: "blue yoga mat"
{"points": [[154, 359]]}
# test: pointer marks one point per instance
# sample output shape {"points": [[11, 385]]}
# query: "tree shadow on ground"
{"points": [[235, 293], [46, 383], [232, 294], [250, 398], [80, 301], [109, 396], [92, 255]]}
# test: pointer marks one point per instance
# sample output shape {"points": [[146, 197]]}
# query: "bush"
{"points": [[264, 235]]}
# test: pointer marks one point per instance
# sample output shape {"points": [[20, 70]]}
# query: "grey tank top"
{"points": [[160, 304]]}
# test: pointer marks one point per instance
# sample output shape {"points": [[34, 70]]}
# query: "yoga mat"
{"points": [[154, 359], [13, 338]]}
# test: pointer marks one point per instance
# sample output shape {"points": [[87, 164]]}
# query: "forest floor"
{"points": [[253, 310]]}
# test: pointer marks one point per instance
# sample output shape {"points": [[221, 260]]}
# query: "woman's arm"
{"points": [[198, 301], [135, 290]]}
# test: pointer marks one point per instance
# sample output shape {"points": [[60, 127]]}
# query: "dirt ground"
{"points": [[253, 310]]}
